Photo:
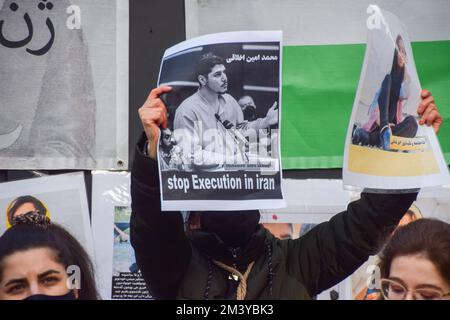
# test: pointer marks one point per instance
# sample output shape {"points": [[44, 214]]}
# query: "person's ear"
{"points": [[202, 80]]}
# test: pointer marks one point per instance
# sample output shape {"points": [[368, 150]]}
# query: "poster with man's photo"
{"points": [[220, 150], [61, 198], [64, 84], [118, 275], [386, 147]]}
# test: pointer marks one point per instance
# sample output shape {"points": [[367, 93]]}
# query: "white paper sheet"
{"points": [[221, 148], [64, 84], [117, 274], [386, 148]]}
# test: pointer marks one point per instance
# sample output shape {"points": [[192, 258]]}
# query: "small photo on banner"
{"points": [[386, 147], [118, 275], [220, 150], [64, 84], [45, 195]]}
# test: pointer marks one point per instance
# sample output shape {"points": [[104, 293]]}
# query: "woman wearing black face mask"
{"points": [[35, 259], [229, 255]]}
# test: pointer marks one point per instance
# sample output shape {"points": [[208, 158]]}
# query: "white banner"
{"points": [[64, 84]]}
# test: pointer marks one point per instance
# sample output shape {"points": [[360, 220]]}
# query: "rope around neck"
{"points": [[242, 287]]}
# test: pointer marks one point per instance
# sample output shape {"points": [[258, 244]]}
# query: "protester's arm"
{"points": [[335, 249], [162, 249], [161, 246]]}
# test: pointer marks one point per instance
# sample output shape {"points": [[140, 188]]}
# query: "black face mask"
{"points": [[234, 228], [68, 296]]}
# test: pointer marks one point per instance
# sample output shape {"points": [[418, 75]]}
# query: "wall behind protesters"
{"points": [[154, 26]]}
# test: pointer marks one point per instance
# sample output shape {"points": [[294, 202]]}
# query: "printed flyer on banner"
{"points": [[64, 84], [118, 275], [44, 194], [386, 148], [220, 150]]}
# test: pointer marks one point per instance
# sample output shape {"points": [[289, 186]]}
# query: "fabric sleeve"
{"points": [[333, 250], [162, 249]]}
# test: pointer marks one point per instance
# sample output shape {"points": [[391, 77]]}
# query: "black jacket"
{"points": [[175, 265]]}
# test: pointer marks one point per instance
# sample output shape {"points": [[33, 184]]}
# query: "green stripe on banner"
{"points": [[319, 86]]}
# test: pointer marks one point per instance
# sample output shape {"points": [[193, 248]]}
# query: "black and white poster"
{"points": [[220, 150], [64, 84]]}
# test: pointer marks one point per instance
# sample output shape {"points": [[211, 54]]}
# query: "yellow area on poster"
{"points": [[378, 162]]}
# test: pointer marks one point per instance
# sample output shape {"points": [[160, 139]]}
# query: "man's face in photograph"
{"points": [[217, 79]]}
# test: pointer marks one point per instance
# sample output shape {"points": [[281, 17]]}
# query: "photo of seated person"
{"points": [[386, 115]]}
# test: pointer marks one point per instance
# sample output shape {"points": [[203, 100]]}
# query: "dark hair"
{"points": [[396, 70], [424, 236], [67, 249], [207, 62], [22, 200]]}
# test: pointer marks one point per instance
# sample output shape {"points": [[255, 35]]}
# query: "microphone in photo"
{"points": [[237, 135], [227, 124]]}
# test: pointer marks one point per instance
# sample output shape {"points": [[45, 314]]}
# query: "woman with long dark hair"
{"points": [[385, 115], [40, 260], [415, 263]]}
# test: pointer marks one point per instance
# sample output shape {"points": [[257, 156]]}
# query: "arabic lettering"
{"points": [[253, 59], [408, 143], [235, 57], [49, 44], [270, 58], [22, 43], [250, 59]]}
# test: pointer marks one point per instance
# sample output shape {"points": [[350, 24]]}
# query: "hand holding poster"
{"points": [[386, 148], [221, 148]]}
